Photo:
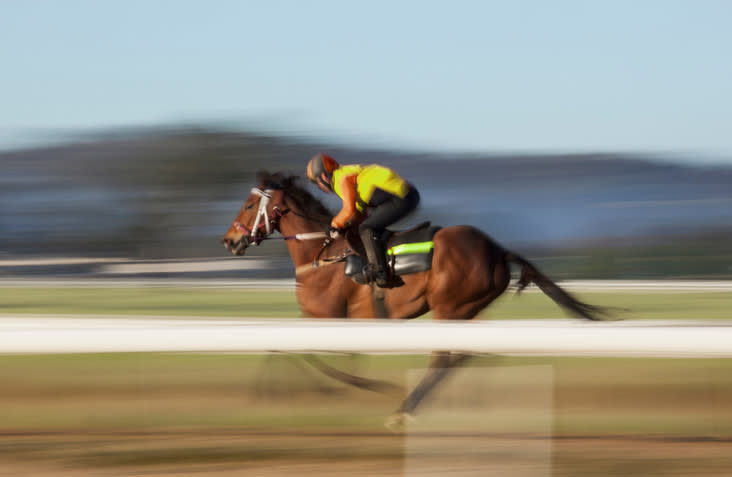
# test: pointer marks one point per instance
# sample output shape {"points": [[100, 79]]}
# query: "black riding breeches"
{"points": [[391, 210]]}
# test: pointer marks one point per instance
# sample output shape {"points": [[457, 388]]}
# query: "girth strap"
{"points": [[377, 296]]}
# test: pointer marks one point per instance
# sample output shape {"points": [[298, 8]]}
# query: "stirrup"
{"points": [[375, 274]]}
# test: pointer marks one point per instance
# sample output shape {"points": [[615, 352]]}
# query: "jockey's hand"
{"points": [[333, 232]]}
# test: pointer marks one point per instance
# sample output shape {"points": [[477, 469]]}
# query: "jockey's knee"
{"points": [[363, 228]]}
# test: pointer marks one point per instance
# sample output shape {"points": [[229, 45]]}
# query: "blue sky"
{"points": [[489, 76]]}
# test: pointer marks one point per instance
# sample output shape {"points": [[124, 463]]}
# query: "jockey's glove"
{"points": [[333, 232]]}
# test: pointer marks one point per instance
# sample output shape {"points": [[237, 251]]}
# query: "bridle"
{"points": [[264, 225]]}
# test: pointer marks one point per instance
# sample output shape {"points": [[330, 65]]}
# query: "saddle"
{"points": [[407, 251]]}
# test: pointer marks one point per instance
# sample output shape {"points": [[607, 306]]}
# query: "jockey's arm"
{"points": [[348, 212]]}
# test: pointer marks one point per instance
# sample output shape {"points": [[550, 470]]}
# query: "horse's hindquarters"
{"points": [[469, 271]]}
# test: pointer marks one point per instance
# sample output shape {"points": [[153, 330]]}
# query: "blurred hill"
{"points": [[171, 193]]}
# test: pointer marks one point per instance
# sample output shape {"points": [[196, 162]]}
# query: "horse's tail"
{"points": [[530, 274]]}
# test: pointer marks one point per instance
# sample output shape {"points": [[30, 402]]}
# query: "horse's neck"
{"points": [[301, 251]]}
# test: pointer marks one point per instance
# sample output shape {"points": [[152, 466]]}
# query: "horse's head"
{"points": [[259, 216]]}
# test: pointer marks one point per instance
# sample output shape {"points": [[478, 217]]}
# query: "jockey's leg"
{"points": [[376, 270], [371, 231]]}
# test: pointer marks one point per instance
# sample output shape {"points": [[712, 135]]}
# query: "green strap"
{"points": [[405, 248]]}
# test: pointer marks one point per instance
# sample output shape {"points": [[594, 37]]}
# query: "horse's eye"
{"points": [[248, 206]]}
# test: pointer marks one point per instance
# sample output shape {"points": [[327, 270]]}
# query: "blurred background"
{"points": [[170, 194]]}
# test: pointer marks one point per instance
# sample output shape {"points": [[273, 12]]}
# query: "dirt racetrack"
{"points": [[233, 453], [229, 415]]}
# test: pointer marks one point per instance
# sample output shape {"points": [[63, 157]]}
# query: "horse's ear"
{"points": [[269, 180], [288, 181], [263, 177]]}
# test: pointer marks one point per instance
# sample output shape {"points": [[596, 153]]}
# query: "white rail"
{"points": [[524, 337]]}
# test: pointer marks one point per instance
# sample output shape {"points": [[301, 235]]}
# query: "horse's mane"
{"points": [[299, 197]]}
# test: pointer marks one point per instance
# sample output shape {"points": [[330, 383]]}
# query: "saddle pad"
{"points": [[411, 251]]}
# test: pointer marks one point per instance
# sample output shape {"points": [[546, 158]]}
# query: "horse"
{"points": [[469, 270]]}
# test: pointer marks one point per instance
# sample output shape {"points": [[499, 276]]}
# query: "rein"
{"points": [[302, 236]]}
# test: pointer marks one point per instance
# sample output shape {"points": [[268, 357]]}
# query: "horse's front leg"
{"points": [[353, 380], [441, 363]]}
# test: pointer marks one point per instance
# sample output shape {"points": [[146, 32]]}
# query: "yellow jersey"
{"points": [[356, 184]]}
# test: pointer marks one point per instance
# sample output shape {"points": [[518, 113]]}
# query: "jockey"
{"points": [[372, 193]]}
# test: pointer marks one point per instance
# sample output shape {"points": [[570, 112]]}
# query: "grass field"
{"points": [[234, 414], [246, 303]]}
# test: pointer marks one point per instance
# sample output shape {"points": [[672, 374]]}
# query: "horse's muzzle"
{"points": [[238, 247]]}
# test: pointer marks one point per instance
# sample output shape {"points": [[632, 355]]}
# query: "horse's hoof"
{"points": [[398, 421]]}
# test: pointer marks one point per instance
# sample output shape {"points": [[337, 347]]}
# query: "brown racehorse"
{"points": [[469, 271]]}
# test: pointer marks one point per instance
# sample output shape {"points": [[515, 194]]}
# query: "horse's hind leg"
{"points": [[459, 287], [441, 363]]}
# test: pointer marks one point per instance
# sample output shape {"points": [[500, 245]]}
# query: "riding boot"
{"points": [[377, 269]]}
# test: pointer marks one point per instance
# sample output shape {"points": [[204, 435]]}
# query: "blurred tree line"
{"points": [[171, 193]]}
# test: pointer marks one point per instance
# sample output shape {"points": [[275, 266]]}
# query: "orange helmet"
{"points": [[319, 164]]}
